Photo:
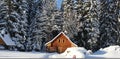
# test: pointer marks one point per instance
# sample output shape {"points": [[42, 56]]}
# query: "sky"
{"points": [[59, 3]]}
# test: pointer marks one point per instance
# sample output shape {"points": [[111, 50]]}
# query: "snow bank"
{"points": [[17, 54], [73, 52], [109, 52], [77, 52]]}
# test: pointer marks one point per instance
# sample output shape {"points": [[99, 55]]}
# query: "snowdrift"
{"points": [[77, 52], [108, 52], [73, 52]]}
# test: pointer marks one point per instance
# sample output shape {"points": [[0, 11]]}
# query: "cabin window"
{"points": [[63, 41], [59, 40]]}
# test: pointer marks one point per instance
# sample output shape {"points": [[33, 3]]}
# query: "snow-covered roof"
{"points": [[6, 38], [59, 35]]}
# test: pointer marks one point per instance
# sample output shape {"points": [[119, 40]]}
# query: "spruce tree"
{"points": [[109, 32], [3, 15], [69, 25], [43, 26]]}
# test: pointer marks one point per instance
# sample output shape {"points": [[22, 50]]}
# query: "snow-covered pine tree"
{"points": [[3, 15], [87, 24], [82, 9], [57, 22], [118, 7], [34, 10], [43, 26], [69, 25], [79, 13], [79, 16], [92, 26], [16, 21], [109, 30]]}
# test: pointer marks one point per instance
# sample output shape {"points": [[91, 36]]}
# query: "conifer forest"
{"points": [[92, 24]]}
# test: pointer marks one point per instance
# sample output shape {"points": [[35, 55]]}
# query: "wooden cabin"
{"points": [[59, 44], [2, 42], [5, 40]]}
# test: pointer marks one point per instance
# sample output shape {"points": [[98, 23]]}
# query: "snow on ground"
{"points": [[108, 52], [17, 54], [75, 52]]}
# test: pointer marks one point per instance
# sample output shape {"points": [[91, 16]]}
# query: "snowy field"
{"points": [[76, 52]]}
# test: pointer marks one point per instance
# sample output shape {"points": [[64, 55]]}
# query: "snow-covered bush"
{"points": [[72, 52], [78, 52]]}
